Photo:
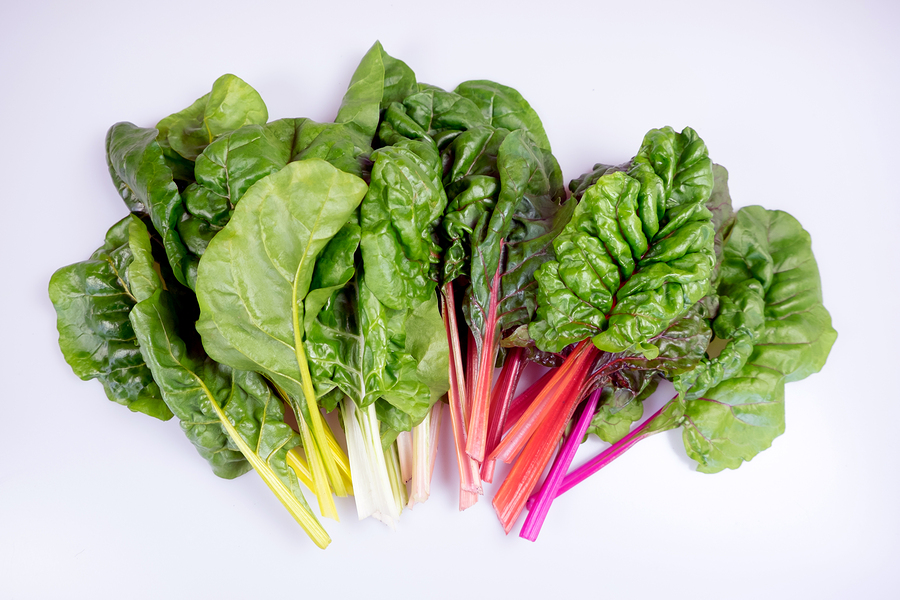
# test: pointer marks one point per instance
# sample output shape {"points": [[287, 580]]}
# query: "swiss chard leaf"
{"points": [[516, 237], [144, 180], [231, 104], [257, 271], [232, 417], [378, 81], [778, 331], [230, 165], [504, 107], [93, 300], [637, 253], [398, 218]]}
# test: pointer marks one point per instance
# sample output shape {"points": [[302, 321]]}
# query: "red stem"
{"points": [[543, 499], [481, 405], [565, 383], [500, 401], [608, 455]]}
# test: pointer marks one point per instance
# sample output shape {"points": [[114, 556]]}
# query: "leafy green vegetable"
{"points": [[253, 280], [503, 107], [230, 105], [398, 218], [637, 253], [93, 299], [378, 81], [771, 299], [144, 180]]}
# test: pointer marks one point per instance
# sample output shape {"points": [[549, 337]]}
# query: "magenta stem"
{"points": [[608, 455], [538, 513]]}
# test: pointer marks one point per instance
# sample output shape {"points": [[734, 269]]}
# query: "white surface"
{"points": [[798, 100]]}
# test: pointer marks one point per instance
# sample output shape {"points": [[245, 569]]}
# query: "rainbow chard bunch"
{"points": [[272, 272]]}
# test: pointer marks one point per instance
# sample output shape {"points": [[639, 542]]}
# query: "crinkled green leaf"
{"points": [[230, 165], [432, 113], [93, 299], [257, 271], [579, 185], [504, 107], [144, 180], [231, 104], [637, 254], [472, 183], [398, 218]]}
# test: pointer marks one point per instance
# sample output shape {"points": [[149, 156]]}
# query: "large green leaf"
{"points": [[93, 299], [505, 108], [777, 330], [637, 254], [257, 271], [231, 104], [144, 180], [232, 417]]}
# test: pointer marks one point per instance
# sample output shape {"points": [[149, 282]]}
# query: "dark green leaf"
{"points": [[92, 301], [144, 181]]}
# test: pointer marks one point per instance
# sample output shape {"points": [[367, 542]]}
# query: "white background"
{"points": [[799, 100]]}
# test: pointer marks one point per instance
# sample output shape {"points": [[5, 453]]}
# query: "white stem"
{"points": [[371, 482], [405, 450]]}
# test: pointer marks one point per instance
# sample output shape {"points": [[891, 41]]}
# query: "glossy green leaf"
{"points": [[517, 236], [472, 183], [92, 300], [230, 165], [144, 180], [637, 254], [232, 417], [504, 107], [378, 81], [432, 113], [231, 104], [398, 218]]}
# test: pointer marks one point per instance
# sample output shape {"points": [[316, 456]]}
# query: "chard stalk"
{"points": [[470, 484], [525, 473], [398, 487], [645, 430], [476, 440], [500, 401], [374, 495], [300, 468], [520, 403], [301, 514], [405, 452], [420, 454], [321, 486], [543, 499], [564, 383]]}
